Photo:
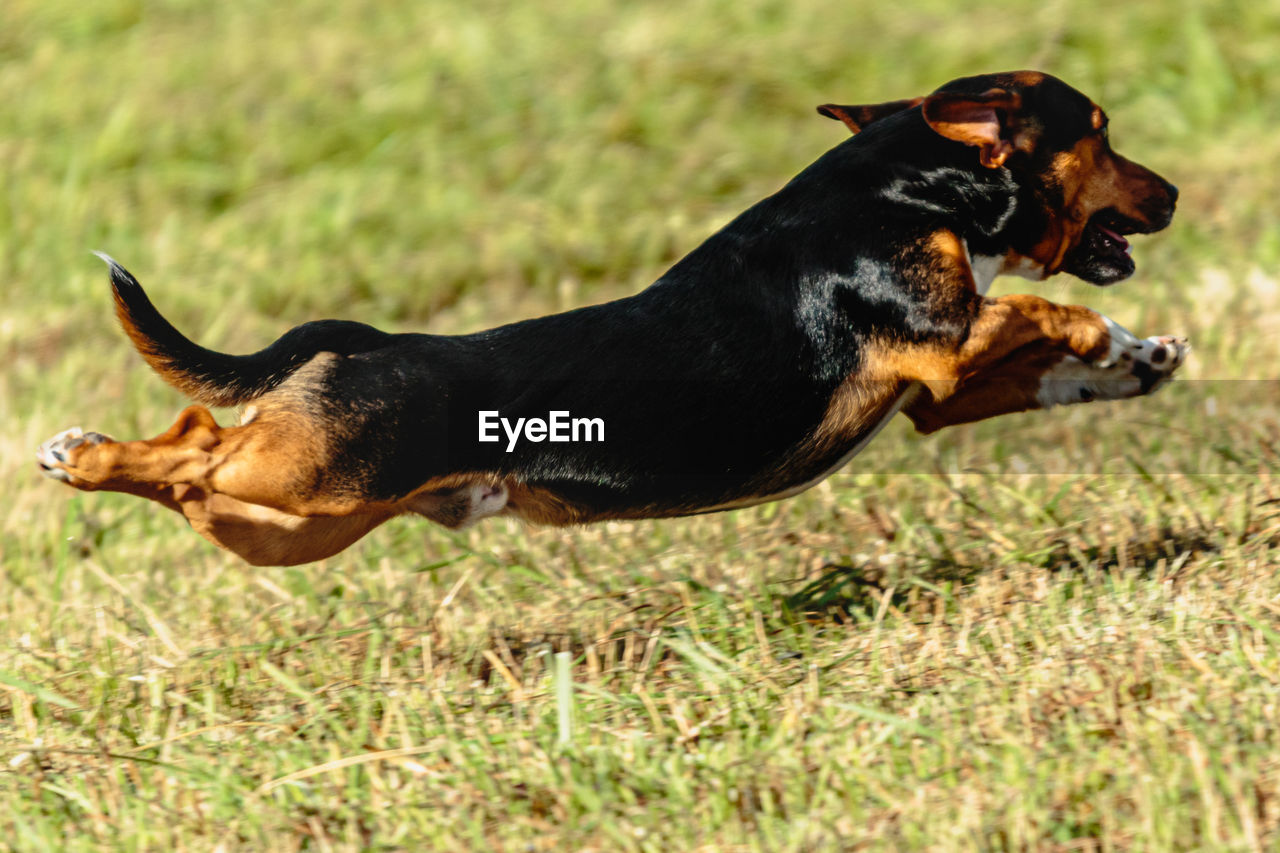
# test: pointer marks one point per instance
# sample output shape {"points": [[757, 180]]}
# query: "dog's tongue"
{"points": [[1119, 240]]}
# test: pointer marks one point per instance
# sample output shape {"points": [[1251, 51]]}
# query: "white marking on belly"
{"points": [[487, 501]]}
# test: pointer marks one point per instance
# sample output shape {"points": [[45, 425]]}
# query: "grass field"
{"points": [[1048, 632]]}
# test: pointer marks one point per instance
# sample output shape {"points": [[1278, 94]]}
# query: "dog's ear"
{"points": [[990, 122], [856, 118]]}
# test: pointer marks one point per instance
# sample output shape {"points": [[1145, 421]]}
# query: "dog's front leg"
{"points": [[1028, 353]]}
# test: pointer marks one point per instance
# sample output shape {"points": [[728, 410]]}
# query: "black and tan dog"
{"points": [[754, 368]]}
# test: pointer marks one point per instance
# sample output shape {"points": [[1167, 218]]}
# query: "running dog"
{"points": [[754, 368]]}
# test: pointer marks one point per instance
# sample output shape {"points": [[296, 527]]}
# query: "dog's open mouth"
{"points": [[1112, 234], [1103, 255]]}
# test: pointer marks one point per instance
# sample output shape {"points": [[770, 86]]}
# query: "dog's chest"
{"points": [[985, 269]]}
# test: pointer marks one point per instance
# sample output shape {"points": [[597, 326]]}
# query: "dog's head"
{"points": [[1054, 141]]}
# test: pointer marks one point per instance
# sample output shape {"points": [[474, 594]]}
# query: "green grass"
{"points": [[1049, 632]]}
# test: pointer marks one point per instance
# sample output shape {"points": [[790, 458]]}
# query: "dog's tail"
{"points": [[219, 379]]}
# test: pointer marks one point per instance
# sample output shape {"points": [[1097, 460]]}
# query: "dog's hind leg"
{"points": [[262, 536], [276, 461], [257, 489]]}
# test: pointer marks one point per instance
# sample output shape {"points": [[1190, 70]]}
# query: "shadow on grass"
{"points": [[846, 592], [841, 593]]}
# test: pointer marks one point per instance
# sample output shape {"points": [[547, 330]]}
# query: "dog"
{"points": [[754, 368]]}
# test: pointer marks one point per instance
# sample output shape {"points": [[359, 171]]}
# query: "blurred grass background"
{"points": [[1046, 632]]}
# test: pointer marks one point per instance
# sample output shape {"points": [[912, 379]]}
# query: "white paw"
{"points": [[56, 453], [1134, 366]]}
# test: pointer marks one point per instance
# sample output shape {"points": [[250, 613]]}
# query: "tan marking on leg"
{"points": [[1004, 326], [1049, 371], [997, 368], [1011, 386], [262, 536], [273, 461]]}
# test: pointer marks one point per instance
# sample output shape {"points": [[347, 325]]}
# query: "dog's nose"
{"points": [[1172, 192]]}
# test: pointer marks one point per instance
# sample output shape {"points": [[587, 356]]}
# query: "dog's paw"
{"points": [[57, 456], [1154, 360], [1132, 367]]}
